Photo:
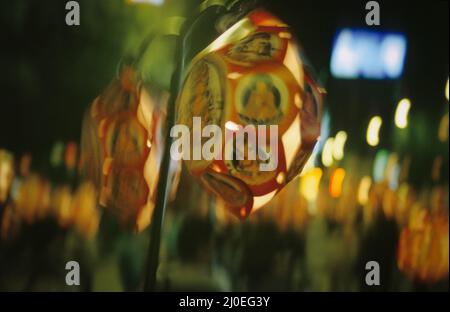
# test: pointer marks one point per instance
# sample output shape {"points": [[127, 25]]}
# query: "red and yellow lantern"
{"points": [[122, 148], [252, 75]]}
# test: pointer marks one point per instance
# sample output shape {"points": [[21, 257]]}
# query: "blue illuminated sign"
{"points": [[368, 54]]}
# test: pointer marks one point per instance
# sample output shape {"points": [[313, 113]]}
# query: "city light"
{"points": [[379, 165], [336, 181], [309, 184], [393, 171], [338, 146], [401, 113], [373, 130], [446, 90], [368, 54], [363, 190], [327, 152]]}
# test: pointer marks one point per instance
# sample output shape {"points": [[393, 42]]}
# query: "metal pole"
{"points": [[163, 187]]}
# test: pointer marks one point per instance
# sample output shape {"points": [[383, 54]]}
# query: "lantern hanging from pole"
{"points": [[252, 75], [122, 148]]}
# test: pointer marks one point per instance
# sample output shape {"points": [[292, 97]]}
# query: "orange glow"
{"points": [[310, 183], [70, 156], [423, 251], [363, 190], [85, 216], [336, 180]]}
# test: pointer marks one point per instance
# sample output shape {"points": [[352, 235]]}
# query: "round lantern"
{"points": [[122, 147], [252, 82]]}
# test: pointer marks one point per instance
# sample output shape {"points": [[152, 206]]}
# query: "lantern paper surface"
{"points": [[122, 148], [252, 75]]}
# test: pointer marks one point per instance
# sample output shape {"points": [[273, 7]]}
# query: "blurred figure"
{"points": [[378, 243], [264, 260], [193, 270]]}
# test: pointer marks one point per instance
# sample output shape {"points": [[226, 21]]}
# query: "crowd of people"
{"points": [[317, 234]]}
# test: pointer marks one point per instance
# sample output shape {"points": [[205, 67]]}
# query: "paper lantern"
{"points": [[252, 74], [122, 148]]}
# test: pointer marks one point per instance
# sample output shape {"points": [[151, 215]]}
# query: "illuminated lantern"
{"points": [[252, 75], [122, 147], [423, 248]]}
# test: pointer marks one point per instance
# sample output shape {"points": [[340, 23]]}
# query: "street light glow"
{"points": [[373, 130], [401, 113]]}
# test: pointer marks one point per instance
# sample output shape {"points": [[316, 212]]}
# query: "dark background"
{"points": [[51, 71]]}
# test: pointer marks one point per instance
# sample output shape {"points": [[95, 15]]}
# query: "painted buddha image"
{"points": [[248, 169], [121, 149], [205, 95], [261, 102], [260, 46]]}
